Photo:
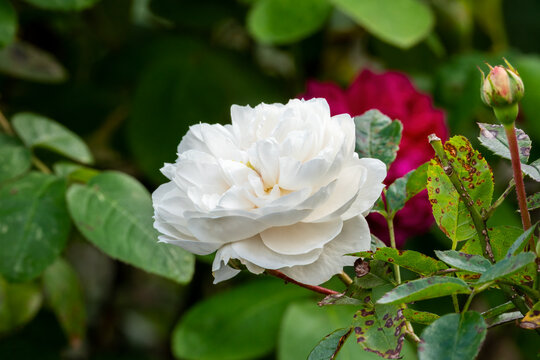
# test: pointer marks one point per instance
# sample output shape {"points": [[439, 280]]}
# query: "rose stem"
{"points": [[346, 279], [479, 223], [518, 178], [390, 222], [317, 289]]}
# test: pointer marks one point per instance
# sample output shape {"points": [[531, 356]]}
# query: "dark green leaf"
{"points": [[494, 138], [284, 22], [64, 295], [402, 23], [425, 288], [74, 172], [239, 324], [475, 174], [25, 61], [531, 320], [507, 266], [409, 259], [34, 225], [420, 317], [8, 23], [330, 346], [63, 5], [114, 211], [533, 201], [379, 328], [14, 158], [521, 242], [464, 261], [39, 131], [19, 303], [417, 180], [377, 136], [453, 337]]}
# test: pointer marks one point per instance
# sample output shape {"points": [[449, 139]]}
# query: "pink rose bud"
{"points": [[502, 89]]}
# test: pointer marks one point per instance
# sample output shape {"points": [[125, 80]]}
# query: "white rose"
{"points": [[281, 188]]}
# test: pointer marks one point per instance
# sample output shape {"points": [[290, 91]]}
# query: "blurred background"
{"points": [[130, 77]]}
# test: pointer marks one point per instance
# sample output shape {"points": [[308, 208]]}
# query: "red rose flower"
{"points": [[394, 95]]}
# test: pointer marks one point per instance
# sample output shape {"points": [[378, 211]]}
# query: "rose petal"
{"points": [[354, 237]]}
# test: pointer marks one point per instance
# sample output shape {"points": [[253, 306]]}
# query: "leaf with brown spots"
{"points": [[531, 320], [328, 348], [493, 137], [409, 259], [420, 317], [449, 210], [379, 328]]}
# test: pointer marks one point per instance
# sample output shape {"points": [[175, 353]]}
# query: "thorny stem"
{"points": [[390, 222], [518, 178], [345, 278], [500, 200], [317, 289], [478, 221]]}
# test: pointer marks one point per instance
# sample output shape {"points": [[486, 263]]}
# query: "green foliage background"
{"points": [[130, 77]]}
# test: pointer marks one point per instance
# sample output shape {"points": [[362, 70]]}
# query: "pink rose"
{"points": [[393, 94]]}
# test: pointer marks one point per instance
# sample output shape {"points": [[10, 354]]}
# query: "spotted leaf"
{"points": [[409, 259], [379, 328], [531, 320], [494, 138], [425, 288]]}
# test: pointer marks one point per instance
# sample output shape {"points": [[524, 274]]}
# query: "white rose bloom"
{"points": [[281, 188]]}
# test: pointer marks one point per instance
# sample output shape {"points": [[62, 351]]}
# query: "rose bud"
{"points": [[502, 89]]}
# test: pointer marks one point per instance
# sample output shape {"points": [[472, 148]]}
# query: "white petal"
{"points": [[220, 269], [221, 142], [370, 190], [354, 237], [193, 246], [300, 238], [254, 251]]}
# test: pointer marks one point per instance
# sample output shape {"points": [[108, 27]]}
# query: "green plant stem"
{"points": [[317, 289], [40, 165], [500, 200], [390, 222], [518, 178], [455, 302], [346, 279], [4, 123], [478, 220], [498, 310]]}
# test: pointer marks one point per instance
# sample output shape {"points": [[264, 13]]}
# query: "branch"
{"points": [[317, 289]]}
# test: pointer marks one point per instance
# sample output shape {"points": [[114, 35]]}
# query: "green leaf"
{"points": [[533, 201], [532, 169], [475, 174], [379, 328], [64, 294], [419, 317], [494, 138], [34, 225], [521, 241], [39, 131], [305, 324], [19, 303], [370, 274], [464, 261], [238, 324], [409, 259], [285, 22], [404, 188], [502, 238], [63, 5], [417, 180], [74, 172], [15, 159], [377, 136], [330, 345], [402, 23], [453, 337], [507, 266], [25, 61], [531, 320], [8, 23], [425, 288], [114, 211]]}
